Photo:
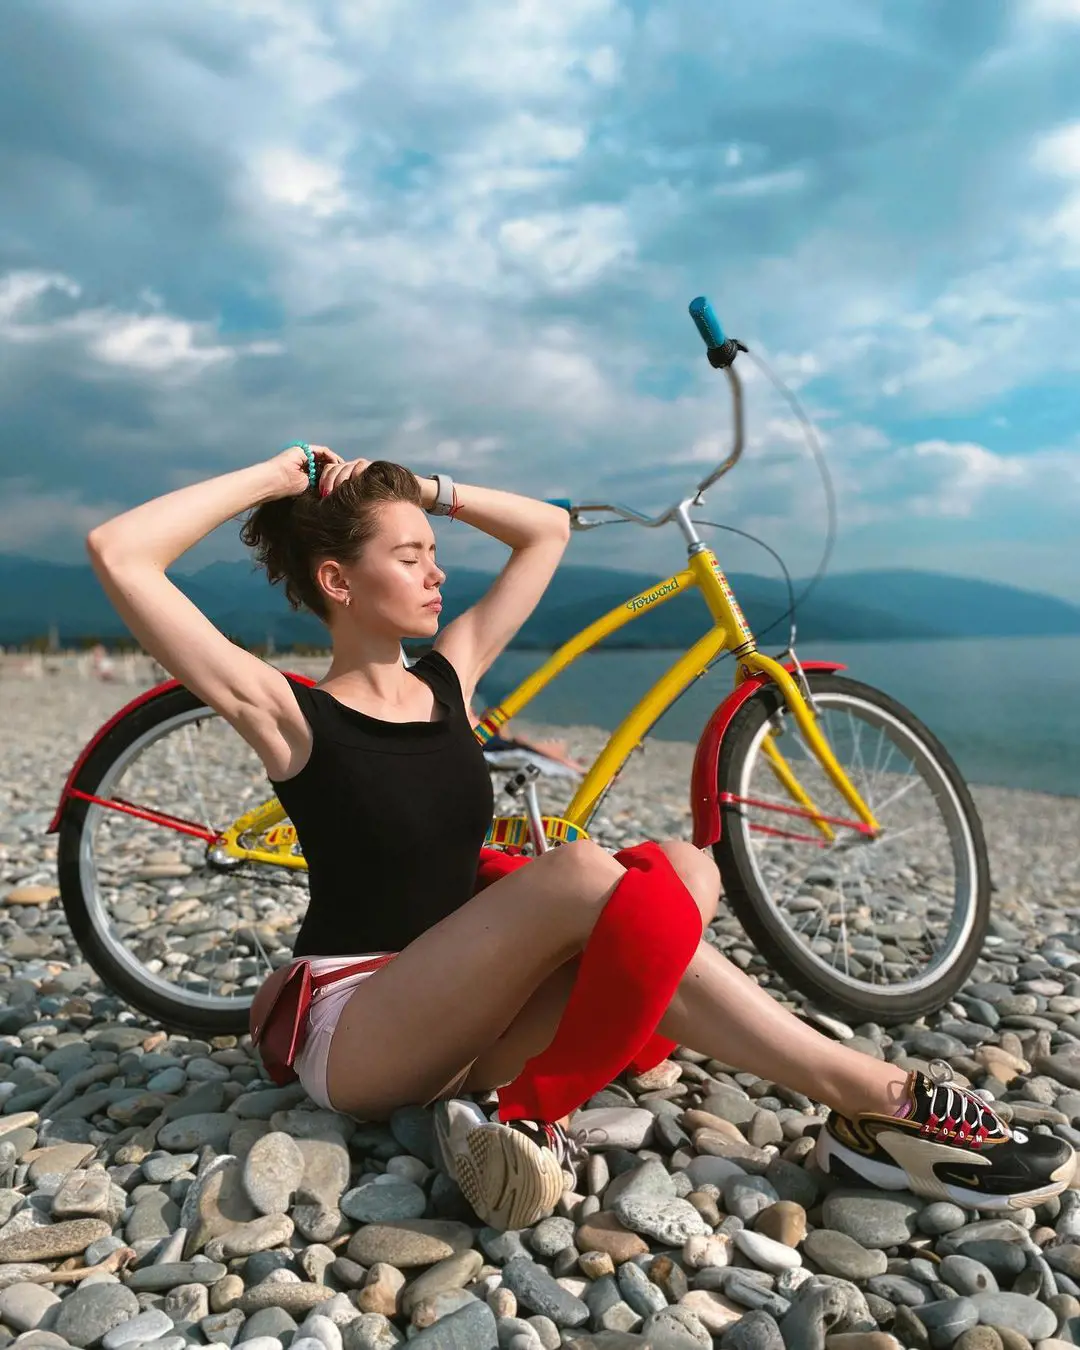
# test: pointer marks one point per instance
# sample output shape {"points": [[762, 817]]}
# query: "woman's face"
{"points": [[396, 580]]}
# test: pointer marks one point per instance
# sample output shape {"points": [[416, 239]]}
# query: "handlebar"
{"points": [[721, 352]]}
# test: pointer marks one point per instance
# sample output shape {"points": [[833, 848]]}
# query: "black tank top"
{"points": [[391, 817]]}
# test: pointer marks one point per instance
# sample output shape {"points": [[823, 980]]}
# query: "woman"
{"points": [[541, 978]]}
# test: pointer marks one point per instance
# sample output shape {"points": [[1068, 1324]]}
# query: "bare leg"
{"points": [[720, 1012], [450, 995], [725, 1014]]}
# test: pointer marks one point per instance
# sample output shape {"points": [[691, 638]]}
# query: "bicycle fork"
{"points": [[806, 721]]}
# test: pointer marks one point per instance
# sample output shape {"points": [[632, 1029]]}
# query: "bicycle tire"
{"points": [[774, 940], [173, 1012]]}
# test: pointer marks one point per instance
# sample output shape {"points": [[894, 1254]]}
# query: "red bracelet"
{"points": [[456, 506]]}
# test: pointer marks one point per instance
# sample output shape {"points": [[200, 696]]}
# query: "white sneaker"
{"points": [[455, 1119], [512, 1175]]}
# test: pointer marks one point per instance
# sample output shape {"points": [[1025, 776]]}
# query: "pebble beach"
{"points": [[157, 1190]]}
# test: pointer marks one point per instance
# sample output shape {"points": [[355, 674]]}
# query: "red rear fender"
{"points": [[704, 789]]}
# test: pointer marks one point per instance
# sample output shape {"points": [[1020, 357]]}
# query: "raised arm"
{"points": [[130, 553]]}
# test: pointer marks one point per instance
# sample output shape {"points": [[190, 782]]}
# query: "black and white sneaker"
{"points": [[511, 1174], [950, 1146]]}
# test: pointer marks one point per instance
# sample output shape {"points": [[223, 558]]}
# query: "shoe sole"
{"points": [[891, 1177], [508, 1180]]}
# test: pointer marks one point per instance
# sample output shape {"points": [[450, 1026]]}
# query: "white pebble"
{"points": [[766, 1252]]}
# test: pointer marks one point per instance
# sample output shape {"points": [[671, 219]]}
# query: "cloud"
{"points": [[470, 233], [153, 344], [965, 471]]}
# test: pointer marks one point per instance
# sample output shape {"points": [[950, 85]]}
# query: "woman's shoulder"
{"points": [[442, 671]]}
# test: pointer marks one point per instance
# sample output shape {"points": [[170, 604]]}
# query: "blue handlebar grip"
{"points": [[708, 325], [564, 502]]}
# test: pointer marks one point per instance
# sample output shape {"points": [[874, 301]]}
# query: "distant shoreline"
{"points": [[73, 647]]}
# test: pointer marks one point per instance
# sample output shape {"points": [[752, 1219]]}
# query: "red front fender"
{"points": [[704, 789], [106, 727]]}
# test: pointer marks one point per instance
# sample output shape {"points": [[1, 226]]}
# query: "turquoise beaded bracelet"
{"points": [[309, 455]]}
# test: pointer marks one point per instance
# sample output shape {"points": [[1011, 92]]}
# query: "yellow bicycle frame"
{"points": [[248, 839]]}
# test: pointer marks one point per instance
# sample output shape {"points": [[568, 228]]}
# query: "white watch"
{"points": [[444, 495]]}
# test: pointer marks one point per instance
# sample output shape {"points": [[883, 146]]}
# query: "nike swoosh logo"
{"points": [[971, 1181], [918, 1157]]}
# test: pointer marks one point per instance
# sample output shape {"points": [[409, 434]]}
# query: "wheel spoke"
{"points": [[182, 936]]}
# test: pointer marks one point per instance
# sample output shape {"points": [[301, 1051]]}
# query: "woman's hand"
{"points": [[293, 462], [333, 475]]}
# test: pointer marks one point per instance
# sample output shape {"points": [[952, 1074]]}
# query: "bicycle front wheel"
{"points": [[878, 929], [182, 933]]}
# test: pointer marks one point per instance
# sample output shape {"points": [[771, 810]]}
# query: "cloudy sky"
{"points": [[465, 235]]}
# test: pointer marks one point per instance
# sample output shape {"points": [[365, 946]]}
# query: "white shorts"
{"points": [[326, 1008]]}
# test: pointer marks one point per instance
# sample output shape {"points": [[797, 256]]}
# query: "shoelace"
{"points": [[570, 1148], [957, 1114]]}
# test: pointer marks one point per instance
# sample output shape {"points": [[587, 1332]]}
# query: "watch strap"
{"points": [[444, 495]]}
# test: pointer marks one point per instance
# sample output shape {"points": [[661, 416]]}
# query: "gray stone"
{"points": [[146, 1326], [709, 1171], [1016, 1311], [272, 1172], [160, 1279], [389, 1198], [470, 1328], [551, 1236], [940, 1217], [873, 1218], [1004, 1259], [628, 1127], [838, 1254], [793, 1182], [899, 1289], [967, 1276], [162, 1167], [23, 1305], [371, 1331], [208, 1129], [274, 1322], [947, 1319], [746, 1197], [453, 1273], [738, 1288], [607, 1308], [296, 1299], [257, 1235], [755, 1331], [537, 1291], [729, 1104], [638, 1290], [815, 1310], [89, 1313], [668, 1219], [152, 1216], [410, 1242], [676, 1328]]}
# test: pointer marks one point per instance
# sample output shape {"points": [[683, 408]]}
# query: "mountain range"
{"points": [[855, 606]]}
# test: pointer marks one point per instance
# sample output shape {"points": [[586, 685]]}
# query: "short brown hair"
{"points": [[292, 535]]}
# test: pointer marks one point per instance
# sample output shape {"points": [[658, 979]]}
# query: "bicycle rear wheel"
{"points": [[883, 929], [183, 938]]}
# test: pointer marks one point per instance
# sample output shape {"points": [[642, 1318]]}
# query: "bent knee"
{"points": [[699, 874], [589, 864], [586, 874]]}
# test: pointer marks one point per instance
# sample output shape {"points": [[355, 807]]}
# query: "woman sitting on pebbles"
{"points": [[542, 978]]}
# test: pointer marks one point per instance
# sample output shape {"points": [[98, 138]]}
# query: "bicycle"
{"points": [[865, 883]]}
